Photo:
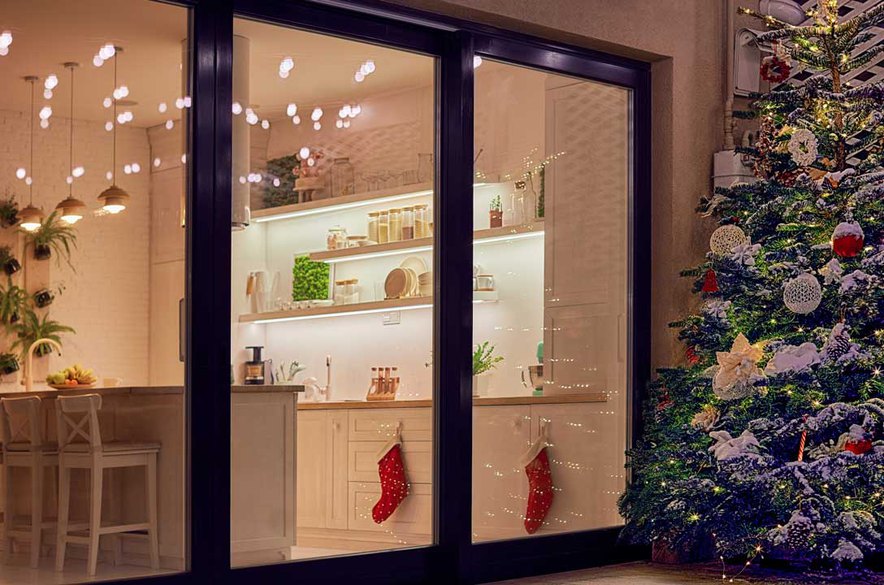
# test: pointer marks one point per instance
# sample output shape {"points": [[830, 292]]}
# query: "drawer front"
{"points": [[417, 456], [380, 424], [413, 516]]}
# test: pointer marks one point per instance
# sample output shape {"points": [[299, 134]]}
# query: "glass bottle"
{"points": [[395, 224], [373, 226], [408, 223], [383, 227], [342, 177]]}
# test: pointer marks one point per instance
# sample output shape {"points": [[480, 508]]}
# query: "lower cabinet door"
{"points": [[501, 435], [417, 456], [413, 517]]}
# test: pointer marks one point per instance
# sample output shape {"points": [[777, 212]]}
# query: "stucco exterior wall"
{"points": [[683, 41]]}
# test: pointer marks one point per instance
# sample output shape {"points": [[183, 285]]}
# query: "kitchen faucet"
{"points": [[29, 376]]}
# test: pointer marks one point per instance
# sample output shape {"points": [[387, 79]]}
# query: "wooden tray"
{"points": [[77, 387]]}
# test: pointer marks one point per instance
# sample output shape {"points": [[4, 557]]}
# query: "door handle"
{"points": [[182, 338]]}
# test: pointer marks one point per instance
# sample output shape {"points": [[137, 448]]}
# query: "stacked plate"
{"points": [[425, 284], [404, 281]]}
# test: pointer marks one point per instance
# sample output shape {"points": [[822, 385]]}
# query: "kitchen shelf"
{"points": [[332, 204], [425, 244], [354, 309]]}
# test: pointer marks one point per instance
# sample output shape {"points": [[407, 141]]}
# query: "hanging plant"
{"points": [[54, 235], [13, 302], [8, 262], [8, 210], [32, 327]]}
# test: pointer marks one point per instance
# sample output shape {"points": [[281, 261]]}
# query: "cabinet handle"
{"points": [[182, 337]]}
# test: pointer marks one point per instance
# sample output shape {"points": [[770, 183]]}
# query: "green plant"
{"points": [[13, 301], [484, 359], [32, 327], [8, 209], [309, 279], [54, 235], [285, 170], [495, 204]]}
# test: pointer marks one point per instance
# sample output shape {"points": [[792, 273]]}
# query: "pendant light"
{"points": [[71, 209], [114, 199], [31, 217]]}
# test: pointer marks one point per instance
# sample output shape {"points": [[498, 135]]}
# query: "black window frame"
{"points": [[454, 558]]}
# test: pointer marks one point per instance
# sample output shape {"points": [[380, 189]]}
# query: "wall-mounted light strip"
{"points": [[351, 205], [352, 313]]}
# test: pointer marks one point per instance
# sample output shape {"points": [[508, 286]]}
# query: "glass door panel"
{"points": [[550, 284], [332, 296]]}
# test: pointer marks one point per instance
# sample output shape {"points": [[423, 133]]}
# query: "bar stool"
{"points": [[77, 417], [23, 446]]}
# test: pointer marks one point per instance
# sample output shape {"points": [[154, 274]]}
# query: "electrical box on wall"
{"points": [[747, 62]]}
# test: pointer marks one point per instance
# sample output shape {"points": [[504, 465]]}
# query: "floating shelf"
{"points": [[354, 309], [485, 236], [329, 205]]}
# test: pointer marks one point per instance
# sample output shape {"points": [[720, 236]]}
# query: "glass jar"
{"points": [[336, 238], [383, 227], [395, 224], [351, 291], [421, 227], [340, 295], [373, 226], [408, 223], [342, 177]]}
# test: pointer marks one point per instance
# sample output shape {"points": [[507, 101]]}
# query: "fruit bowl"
{"points": [[72, 386]]}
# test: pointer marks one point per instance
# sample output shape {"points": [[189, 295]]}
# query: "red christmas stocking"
{"points": [[540, 486], [394, 484]]}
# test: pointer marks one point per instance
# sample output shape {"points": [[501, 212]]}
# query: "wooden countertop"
{"points": [[44, 392], [487, 401]]}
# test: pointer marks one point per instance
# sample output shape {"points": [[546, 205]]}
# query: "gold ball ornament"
{"points": [[803, 294], [726, 238]]}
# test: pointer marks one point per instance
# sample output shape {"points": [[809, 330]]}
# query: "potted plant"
{"points": [[32, 327], [13, 301], [484, 361], [10, 263], [8, 364], [8, 210], [53, 235], [495, 213]]}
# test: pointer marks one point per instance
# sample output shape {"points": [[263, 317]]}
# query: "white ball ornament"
{"points": [[726, 238], [803, 294]]}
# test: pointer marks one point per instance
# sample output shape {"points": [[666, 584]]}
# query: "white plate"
{"points": [[416, 263]]}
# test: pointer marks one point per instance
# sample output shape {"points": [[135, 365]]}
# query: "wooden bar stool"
{"points": [[77, 418], [23, 446]]}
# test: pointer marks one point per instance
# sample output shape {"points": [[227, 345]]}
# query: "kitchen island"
{"points": [[157, 414]]}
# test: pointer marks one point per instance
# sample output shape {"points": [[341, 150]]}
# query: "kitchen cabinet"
{"points": [[337, 456]]}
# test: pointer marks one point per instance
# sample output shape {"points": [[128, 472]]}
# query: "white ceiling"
{"points": [[49, 32]]}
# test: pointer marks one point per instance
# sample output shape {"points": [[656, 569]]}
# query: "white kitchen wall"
{"points": [[107, 299]]}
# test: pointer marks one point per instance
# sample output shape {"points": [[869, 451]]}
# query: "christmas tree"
{"points": [[770, 439]]}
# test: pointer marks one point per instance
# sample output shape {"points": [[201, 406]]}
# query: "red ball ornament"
{"points": [[710, 282], [774, 69], [858, 447], [847, 239]]}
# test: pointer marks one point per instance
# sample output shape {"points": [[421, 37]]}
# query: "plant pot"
{"points": [[495, 218], [481, 384], [9, 366], [42, 252], [43, 298], [11, 266], [14, 317], [42, 350], [9, 221], [700, 550]]}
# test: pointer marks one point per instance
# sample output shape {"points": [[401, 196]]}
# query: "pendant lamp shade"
{"points": [[113, 199], [71, 210], [30, 218]]}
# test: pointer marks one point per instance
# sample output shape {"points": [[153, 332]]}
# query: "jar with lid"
{"points": [[373, 226], [408, 223], [351, 291], [340, 295], [395, 224], [383, 227], [342, 177], [421, 221], [336, 238]]}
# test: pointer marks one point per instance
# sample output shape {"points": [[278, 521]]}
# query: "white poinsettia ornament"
{"points": [[803, 147], [737, 370]]}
